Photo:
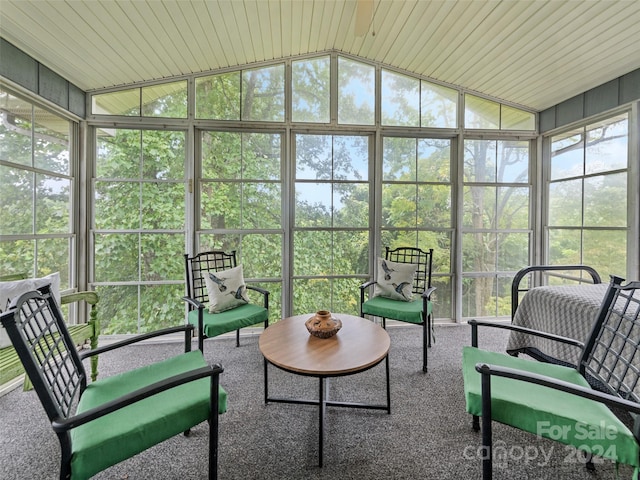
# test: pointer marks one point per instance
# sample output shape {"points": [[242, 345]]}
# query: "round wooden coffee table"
{"points": [[358, 346]]}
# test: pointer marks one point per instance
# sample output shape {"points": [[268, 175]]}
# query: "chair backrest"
{"points": [[416, 256], [37, 330], [612, 351], [202, 263]]}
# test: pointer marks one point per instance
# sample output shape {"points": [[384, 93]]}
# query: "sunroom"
{"points": [[307, 136]]}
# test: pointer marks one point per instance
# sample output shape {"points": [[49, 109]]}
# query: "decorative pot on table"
{"points": [[323, 325]]}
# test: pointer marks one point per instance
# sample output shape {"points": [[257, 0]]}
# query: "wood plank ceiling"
{"points": [[532, 53]]}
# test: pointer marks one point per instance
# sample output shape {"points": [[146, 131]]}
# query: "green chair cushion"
{"points": [[119, 435], [218, 323], [546, 412], [396, 310]]}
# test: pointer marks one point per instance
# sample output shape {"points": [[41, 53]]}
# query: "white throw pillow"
{"points": [[226, 289], [395, 280], [13, 289]]}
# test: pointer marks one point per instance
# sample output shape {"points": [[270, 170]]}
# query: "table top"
{"points": [[359, 345]]}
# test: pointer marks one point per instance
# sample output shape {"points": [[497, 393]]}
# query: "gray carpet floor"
{"points": [[427, 436]]}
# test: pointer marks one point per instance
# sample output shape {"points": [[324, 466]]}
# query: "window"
{"points": [[400, 100], [311, 92], [37, 229], [356, 92], [416, 204], [587, 196], [263, 94], [139, 228], [218, 96], [331, 225], [165, 100], [495, 225], [485, 114], [240, 204], [302, 166], [438, 106]]}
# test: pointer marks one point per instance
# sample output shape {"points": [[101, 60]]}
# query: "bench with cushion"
{"points": [[545, 399]]}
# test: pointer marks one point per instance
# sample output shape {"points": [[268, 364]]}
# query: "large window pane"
{"points": [[162, 155], [139, 225], [479, 207], [168, 100], [53, 204], [565, 246], [607, 145], [252, 196], [310, 90], [438, 106], [513, 161], [263, 94], [123, 102], [218, 96], [356, 92], [434, 164], [400, 99], [221, 155], [37, 234], [116, 257], [588, 216], [565, 203], [15, 129], [479, 297], [416, 202], [480, 160], [606, 251], [241, 205], [118, 309], [51, 138], [331, 228], [481, 113], [567, 155], [496, 224], [16, 196], [513, 251], [161, 256], [516, 119], [605, 201]]}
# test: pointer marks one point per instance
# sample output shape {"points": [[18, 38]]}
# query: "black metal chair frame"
{"points": [[421, 286], [196, 298], [538, 271], [54, 366], [615, 389]]}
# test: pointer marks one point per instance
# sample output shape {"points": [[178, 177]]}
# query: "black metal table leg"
{"points": [[321, 409]]}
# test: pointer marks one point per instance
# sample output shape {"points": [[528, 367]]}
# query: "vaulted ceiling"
{"points": [[533, 53]]}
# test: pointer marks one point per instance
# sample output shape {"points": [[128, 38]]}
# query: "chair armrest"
{"points": [[258, 289], [516, 328], [138, 338], [515, 284], [363, 289], [265, 293], [194, 303], [63, 425], [427, 293], [90, 297], [550, 382], [366, 285]]}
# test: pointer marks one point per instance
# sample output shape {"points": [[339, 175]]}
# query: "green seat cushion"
{"points": [[120, 435], [218, 323], [546, 412], [395, 309]]}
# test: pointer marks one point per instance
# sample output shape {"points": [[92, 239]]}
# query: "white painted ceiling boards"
{"points": [[533, 53]]}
